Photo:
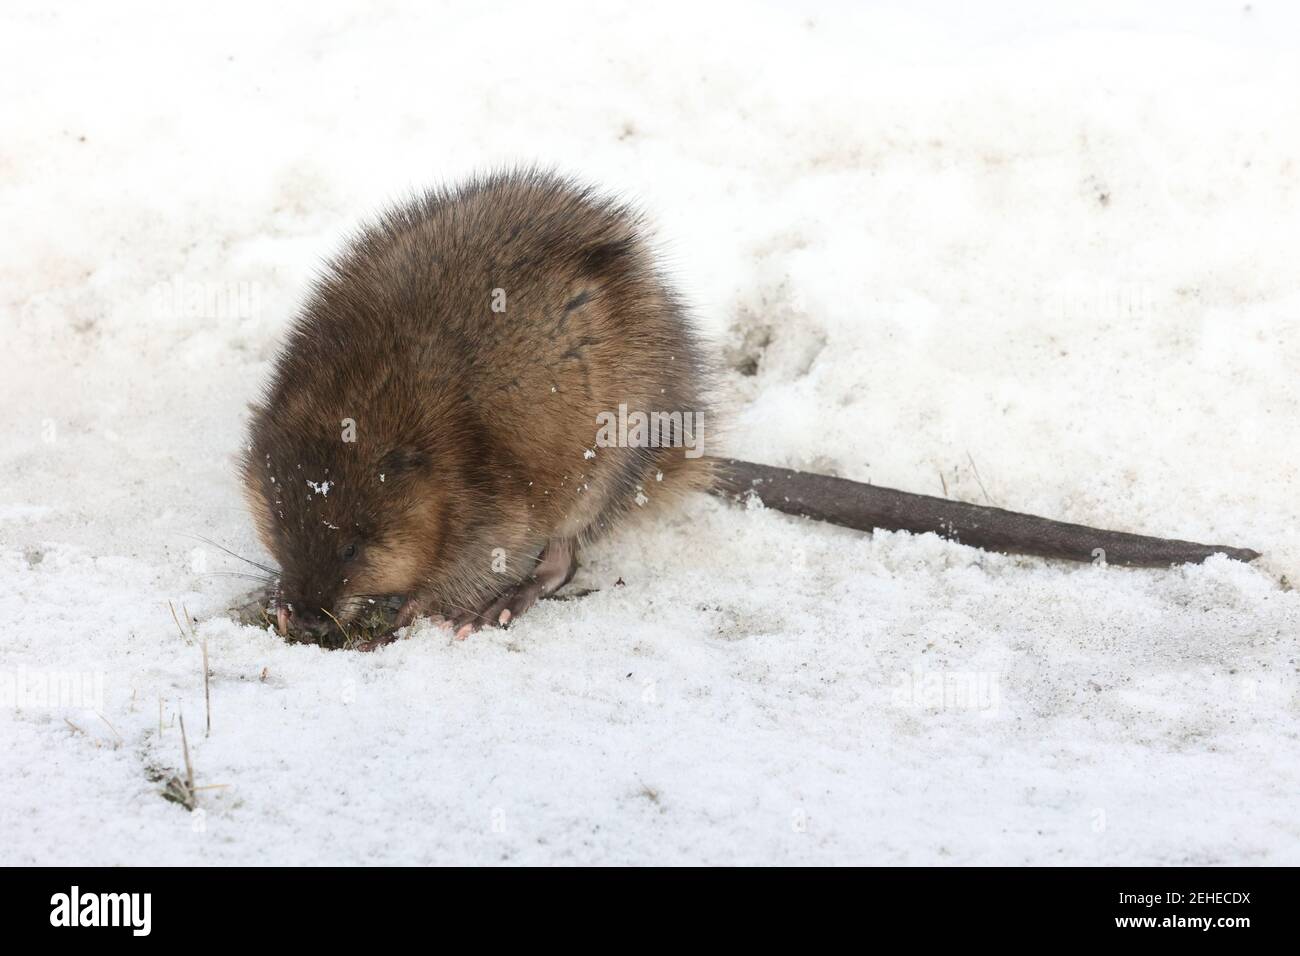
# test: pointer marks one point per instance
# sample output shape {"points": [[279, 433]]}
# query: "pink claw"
{"points": [[282, 620]]}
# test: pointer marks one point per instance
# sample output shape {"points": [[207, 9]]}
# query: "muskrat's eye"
{"points": [[350, 552]]}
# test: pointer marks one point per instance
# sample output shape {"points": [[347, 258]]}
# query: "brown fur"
{"points": [[477, 421]]}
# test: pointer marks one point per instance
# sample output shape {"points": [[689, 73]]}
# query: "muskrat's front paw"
{"points": [[555, 568], [500, 612], [411, 609], [375, 643]]}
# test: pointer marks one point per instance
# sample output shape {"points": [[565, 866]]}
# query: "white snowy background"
{"points": [[1054, 247]]}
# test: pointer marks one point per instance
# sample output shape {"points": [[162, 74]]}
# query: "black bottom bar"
{"points": [[220, 907]]}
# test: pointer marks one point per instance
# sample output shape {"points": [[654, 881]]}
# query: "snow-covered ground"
{"points": [[1055, 247]]}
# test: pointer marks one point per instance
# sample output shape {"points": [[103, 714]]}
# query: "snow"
{"points": [[1039, 254]]}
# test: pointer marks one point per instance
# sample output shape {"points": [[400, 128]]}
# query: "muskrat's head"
{"points": [[347, 522]]}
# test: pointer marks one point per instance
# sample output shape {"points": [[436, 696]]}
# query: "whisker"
{"points": [[264, 578], [233, 554]]}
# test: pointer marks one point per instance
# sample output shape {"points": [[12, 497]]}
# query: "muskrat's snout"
{"points": [[303, 619]]}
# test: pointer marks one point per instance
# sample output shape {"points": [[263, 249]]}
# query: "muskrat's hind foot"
{"points": [[556, 566]]}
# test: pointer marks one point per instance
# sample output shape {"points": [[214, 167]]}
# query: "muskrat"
{"points": [[430, 429], [437, 426]]}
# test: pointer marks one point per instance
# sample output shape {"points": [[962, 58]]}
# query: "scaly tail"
{"points": [[867, 507]]}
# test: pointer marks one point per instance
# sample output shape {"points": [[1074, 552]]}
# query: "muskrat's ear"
{"points": [[402, 461], [605, 257]]}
